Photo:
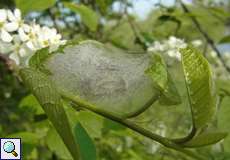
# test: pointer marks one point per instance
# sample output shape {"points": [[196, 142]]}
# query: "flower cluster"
{"points": [[218, 67], [171, 46], [20, 40]]}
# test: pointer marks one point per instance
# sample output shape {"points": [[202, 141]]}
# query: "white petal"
{"points": [[16, 39], [22, 52], [11, 16], [22, 35], [5, 36], [26, 27], [3, 15], [53, 47], [63, 42], [17, 14], [11, 27], [14, 56], [30, 45], [5, 47]]}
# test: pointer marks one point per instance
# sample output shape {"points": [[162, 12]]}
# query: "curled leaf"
{"points": [[200, 86]]}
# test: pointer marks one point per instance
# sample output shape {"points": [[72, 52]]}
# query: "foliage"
{"points": [[33, 5], [71, 110]]}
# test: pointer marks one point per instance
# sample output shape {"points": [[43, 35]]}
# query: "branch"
{"points": [[136, 33], [143, 108], [206, 36], [112, 116]]}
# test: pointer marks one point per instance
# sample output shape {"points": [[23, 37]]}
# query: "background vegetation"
{"points": [[22, 116]]}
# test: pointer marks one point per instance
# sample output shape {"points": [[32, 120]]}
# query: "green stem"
{"points": [[162, 140], [185, 139], [143, 108]]}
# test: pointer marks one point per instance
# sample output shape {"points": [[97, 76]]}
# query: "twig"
{"points": [[136, 33], [147, 105], [112, 116], [206, 36]]}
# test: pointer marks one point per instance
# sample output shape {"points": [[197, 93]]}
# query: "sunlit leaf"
{"points": [[34, 5], [200, 87], [88, 16]]}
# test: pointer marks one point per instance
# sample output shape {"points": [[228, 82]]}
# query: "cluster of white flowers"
{"points": [[20, 40], [218, 67], [171, 46]]}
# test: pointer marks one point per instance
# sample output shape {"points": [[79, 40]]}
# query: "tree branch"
{"points": [[112, 116], [136, 33], [205, 35], [143, 108]]}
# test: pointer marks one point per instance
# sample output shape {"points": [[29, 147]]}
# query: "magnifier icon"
{"points": [[9, 147]]}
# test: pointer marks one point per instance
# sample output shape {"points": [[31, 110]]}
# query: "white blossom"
{"points": [[5, 27], [21, 41], [197, 43], [170, 47]]}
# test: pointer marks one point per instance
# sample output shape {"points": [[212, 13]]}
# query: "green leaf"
{"points": [[88, 16], [111, 125], [205, 139], [29, 142], [27, 6], [219, 11], [92, 123], [163, 81], [103, 5], [39, 57], [56, 145], [200, 86], [26, 137], [50, 100], [87, 147], [31, 102], [170, 95], [158, 72], [225, 39], [165, 18]]}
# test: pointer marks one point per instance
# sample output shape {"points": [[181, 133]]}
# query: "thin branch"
{"points": [[112, 116], [133, 26], [205, 35], [143, 108]]}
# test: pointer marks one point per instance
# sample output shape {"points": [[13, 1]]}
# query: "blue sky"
{"points": [[143, 7]]}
